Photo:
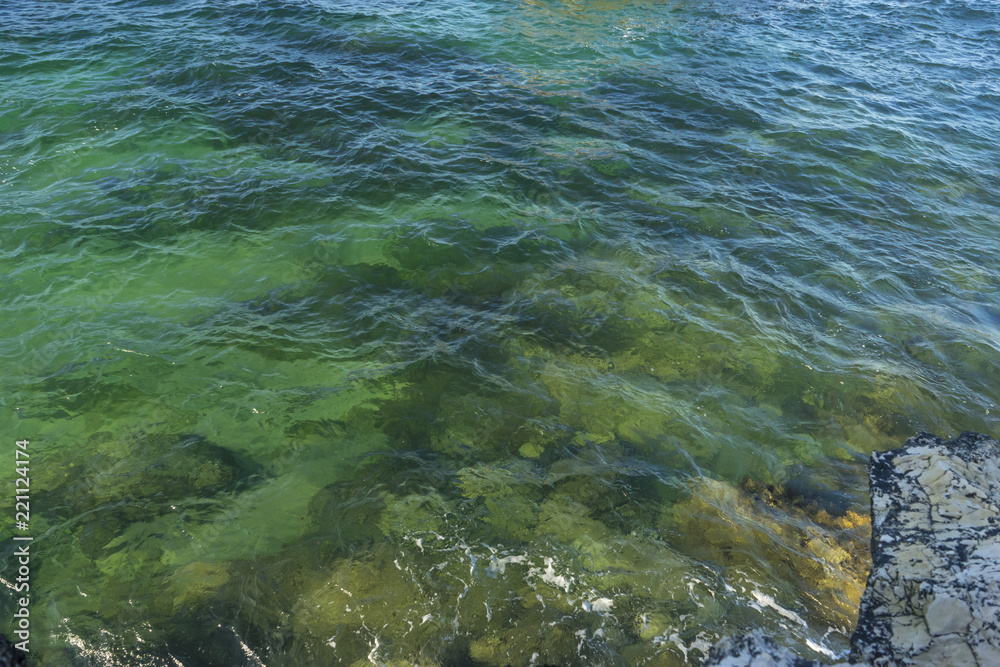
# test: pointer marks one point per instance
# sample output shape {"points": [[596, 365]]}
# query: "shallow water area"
{"points": [[481, 333]]}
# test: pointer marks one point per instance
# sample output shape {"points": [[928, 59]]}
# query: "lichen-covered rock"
{"points": [[933, 596]]}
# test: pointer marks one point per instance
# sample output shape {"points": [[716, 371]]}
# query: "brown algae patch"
{"points": [[800, 549]]}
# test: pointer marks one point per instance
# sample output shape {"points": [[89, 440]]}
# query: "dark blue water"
{"points": [[481, 333]]}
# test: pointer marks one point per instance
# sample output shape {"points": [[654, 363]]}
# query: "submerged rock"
{"points": [[804, 548], [933, 595], [10, 655]]}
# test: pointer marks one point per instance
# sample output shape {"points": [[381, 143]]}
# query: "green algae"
{"points": [[414, 512], [397, 607], [444, 579], [394, 600], [571, 448], [126, 500]]}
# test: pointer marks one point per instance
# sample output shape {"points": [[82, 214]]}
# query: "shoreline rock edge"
{"points": [[933, 596]]}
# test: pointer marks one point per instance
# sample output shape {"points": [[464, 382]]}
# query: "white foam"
{"points": [[821, 649], [549, 575], [599, 605], [768, 601], [498, 565]]}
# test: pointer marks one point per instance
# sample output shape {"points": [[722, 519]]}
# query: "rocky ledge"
{"points": [[933, 595]]}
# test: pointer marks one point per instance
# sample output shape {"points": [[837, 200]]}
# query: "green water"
{"points": [[480, 333]]}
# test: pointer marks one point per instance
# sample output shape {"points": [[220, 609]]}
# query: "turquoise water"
{"points": [[481, 333]]}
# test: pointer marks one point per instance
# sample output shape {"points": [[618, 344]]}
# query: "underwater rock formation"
{"points": [[933, 595], [11, 656]]}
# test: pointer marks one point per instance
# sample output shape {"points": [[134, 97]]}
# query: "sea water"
{"points": [[480, 332]]}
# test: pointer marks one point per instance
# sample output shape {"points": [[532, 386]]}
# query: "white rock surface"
{"points": [[755, 651], [933, 595]]}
